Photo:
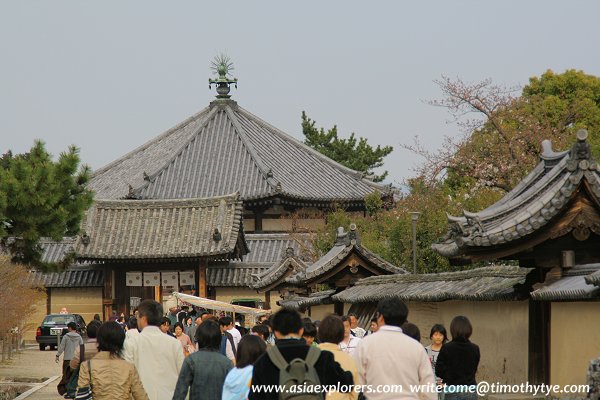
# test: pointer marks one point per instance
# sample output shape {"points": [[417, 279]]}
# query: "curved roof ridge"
{"points": [[253, 153], [152, 141], [299, 144], [532, 191]]}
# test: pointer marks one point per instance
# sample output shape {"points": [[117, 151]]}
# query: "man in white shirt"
{"points": [[356, 330], [389, 357], [349, 343], [237, 336], [156, 356]]}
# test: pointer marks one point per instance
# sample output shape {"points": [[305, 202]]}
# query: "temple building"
{"points": [[211, 202]]}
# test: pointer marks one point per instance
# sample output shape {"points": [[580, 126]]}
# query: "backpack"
{"points": [[297, 377]]}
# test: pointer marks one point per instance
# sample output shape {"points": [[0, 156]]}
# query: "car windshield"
{"points": [[58, 319]]}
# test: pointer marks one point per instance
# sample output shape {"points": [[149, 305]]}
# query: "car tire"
{"points": [[42, 347], [52, 347]]}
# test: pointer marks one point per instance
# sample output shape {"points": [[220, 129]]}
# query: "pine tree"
{"points": [[354, 153], [42, 198]]}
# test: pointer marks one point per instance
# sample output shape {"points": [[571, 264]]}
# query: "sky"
{"points": [[109, 76]]}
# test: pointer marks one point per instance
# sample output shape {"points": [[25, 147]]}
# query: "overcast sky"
{"points": [[108, 76]]}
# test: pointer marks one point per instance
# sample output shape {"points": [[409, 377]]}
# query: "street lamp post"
{"points": [[414, 217]]}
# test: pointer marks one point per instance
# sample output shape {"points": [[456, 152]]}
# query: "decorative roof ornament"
{"points": [[222, 65]]}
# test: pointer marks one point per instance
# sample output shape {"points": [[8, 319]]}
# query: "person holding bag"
{"points": [[109, 376]]}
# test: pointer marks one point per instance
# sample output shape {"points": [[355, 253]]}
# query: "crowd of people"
{"points": [[189, 353]]}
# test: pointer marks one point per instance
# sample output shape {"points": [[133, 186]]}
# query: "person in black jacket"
{"points": [[287, 325], [458, 361]]}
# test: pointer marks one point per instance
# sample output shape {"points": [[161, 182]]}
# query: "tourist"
{"points": [[90, 346], [238, 380], [349, 343], [132, 328], [288, 331], [192, 331], [228, 346], [156, 356], [354, 328], [108, 375], [188, 325], [165, 326], [438, 337], [261, 331], [69, 345], [373, 327], [186, 342], [392, 358], [310, 333], [331, 332], [201, 381], [172, 315], [458, 360], [411, 330]]}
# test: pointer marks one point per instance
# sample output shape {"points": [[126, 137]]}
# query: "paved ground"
{"points": [[34, 368]]}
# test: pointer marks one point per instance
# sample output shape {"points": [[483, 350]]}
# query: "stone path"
{"points": [[36, 371]]}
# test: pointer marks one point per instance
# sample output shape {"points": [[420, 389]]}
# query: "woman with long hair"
{"points": [[203, 372], [237, 382], [110, 376]]}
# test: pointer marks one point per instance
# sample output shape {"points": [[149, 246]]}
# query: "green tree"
{"points": [[354, 153], [44, 198]]}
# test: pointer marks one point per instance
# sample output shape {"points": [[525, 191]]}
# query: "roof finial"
{"points": [[222, 65]]}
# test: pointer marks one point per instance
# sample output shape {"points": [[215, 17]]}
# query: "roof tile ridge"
{"points": [[362, 249], [144, 146], [150, 179], [299, 144], [253, 153], [186, 202], [532, 192]]}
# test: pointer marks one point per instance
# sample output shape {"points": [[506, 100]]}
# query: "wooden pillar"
{"points": [[201, 276], [268, 300], [258, 217]]}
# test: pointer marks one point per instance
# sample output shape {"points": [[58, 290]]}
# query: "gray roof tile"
{"points": [[224, 149], [577, 283], [528, 207], [481, 284], [162, 229], [69, 278]]}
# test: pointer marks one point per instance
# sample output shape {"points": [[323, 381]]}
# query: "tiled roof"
{"points": [[271, 247], [488, 283], [55, 251], [163, 229], [264, 250], [593, 278], [113, 180], [236, 274], [575, 284], [224, 149], [301, 303], [527, 208], [69, 278], [291, 269]]}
